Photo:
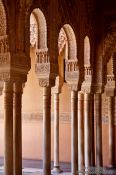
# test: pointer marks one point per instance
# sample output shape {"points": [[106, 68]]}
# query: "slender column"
{"points": [[92, 132], [46, 130], [111, 132], [56, 168], [17, 129], [97, 113], [8, 117], [80, 131], [87, 129], [73, 132]]}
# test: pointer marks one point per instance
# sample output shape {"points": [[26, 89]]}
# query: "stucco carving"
{"points": [[87, 84], [3, 23], [62, 40], [72, 72], [33, 31], [46, 71], [110, 86], [44, 82]]}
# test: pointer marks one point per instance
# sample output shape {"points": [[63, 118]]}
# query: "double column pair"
{"points": [[13, 130], [73, 132], [89, 107]]}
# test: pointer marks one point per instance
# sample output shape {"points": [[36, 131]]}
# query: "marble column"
{"points": [[74, 133], [92, 132], [98, 118], [56, 168], [111, 132], [87, 130], [17, 126], [46, 130], [8, 119], [80, 131]]}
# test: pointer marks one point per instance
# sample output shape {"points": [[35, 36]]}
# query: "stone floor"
{"points": [[34, 167], [32, 171]]}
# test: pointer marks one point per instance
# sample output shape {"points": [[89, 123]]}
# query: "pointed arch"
{"points": [[86, 51], [41, 27]]}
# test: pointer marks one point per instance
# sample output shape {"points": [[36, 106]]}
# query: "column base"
{"points": [[111, 167], [56, 170]]}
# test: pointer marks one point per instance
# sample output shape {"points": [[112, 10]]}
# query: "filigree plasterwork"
{"points": [[46, 71], [110, 86], [33, 31], [62, 40], [3, 23], [4, 44], [87, 84], [109, 46], [72, 73]]}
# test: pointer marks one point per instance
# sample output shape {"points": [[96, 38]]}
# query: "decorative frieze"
{"points": [[65, 118]]}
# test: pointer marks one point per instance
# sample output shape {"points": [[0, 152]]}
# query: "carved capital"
{"points": [[44, 69], [72, 73], [87, 84], [98, 88], [110, 87], [4, 44]]}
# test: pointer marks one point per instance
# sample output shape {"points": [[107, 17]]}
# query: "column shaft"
{"points": [[92, 132], [46, 131], [17, 129], [80, 131], [97, 114], [111, 132], [8, 117], [87, 130], [74, 132], [56, 168]]}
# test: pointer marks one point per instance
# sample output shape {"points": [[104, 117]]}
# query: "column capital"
{"points": [[45, 70], [87, 84], [110, 88], [13, 67], [98, 88], [72, 73]]}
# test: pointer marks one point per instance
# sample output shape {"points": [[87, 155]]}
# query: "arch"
{"points": [[71, 39], [41, 27], [3, 21], [86, 51], [33, 31]]}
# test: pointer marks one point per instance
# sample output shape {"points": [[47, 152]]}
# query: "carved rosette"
{"points": [[87, 84], [110, 86], [45, 71], [72, 73]]}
